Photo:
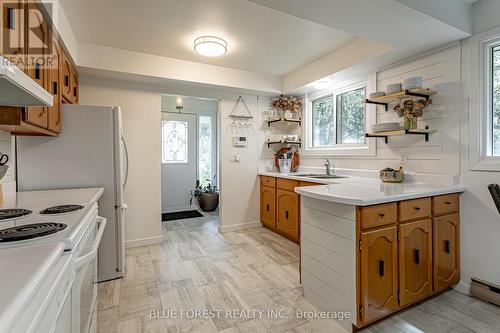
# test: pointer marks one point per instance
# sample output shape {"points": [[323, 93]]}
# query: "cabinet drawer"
{"points": [[267, 181], [445, 204], [304, 184], [378, 215], [287, 184], [414, 209]]}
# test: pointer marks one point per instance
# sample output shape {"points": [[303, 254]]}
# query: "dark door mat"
{"points": [[187, 214]]}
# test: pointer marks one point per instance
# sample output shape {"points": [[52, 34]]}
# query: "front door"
{"points": [[179, 151]]}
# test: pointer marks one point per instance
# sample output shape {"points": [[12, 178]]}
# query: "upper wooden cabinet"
{"points": [[13, 31], [446, 231], [39, 51], [415, 261], [379, 273], [287, 221]]}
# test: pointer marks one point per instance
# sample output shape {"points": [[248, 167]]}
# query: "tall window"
{"points": [[205, 150], [174, 141], [495, 101], [339, 119]]}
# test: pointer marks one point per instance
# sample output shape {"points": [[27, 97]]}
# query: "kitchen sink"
{"points": [[319, 176]]}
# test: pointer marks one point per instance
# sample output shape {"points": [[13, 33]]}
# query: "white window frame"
{"points": [[480, 101], [368, 148]]}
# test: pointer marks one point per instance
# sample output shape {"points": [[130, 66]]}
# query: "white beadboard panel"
{"points": [[344, 211], [344, 266], [330, 277], [7, 147], [441, 72], [328, 298], [331, 223], [340, 245]]}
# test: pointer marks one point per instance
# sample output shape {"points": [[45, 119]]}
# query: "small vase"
{"points": [[410, 123]]}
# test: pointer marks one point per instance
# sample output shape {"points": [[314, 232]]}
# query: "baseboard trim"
{"points": [[241, 226], [143, 242], [462, 287]]}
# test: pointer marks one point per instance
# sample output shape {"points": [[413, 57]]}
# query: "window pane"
{"points": [[174, 139], [322, 119], [205, 150], [496, 102], [351, 117]]}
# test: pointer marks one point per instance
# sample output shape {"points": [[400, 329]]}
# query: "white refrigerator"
{"points": [[90, 152]]}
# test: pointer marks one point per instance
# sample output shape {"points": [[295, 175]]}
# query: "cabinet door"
{"points": [[415, 261], [288, 214], [74, 86], [268, 206], [446, 231], [66, 78], [37, 37], [54, 121], [379, 273], [12, 39]]}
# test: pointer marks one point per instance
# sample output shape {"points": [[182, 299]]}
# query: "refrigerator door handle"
{"points": [[126, 156]]}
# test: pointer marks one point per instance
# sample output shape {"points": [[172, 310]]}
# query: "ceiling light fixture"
{"points": [[210, 46]]}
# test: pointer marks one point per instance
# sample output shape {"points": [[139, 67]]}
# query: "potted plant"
{"points": [[208, 196]]}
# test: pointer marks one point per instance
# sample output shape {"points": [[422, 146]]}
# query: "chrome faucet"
{"points": [[327, 166]]}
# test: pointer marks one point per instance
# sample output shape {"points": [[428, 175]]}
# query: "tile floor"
{"points": [[196, 268]]}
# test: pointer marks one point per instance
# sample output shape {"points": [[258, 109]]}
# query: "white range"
{"points": [[48, 245]]}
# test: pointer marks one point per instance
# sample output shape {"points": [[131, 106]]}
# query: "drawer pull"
{"points": [[381, 267], [417, 208], [447, 246], [447, 203], [54, 88], [66, 80], [10, 18], [417, 256], [267, 207], [381, 215], [37, 72], [286, 214]]}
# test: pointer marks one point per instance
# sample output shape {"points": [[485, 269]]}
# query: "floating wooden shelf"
{"points": [[286, 142], [386, 134], [278, 119], [386, 99]]}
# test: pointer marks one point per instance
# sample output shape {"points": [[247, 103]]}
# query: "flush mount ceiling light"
{"points": [[210, 46]]}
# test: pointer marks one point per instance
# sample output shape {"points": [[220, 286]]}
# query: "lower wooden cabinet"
{"points": [[379, 273], [446, 232], [288, 216], [268, 206], [415, 261], [408, 258]]}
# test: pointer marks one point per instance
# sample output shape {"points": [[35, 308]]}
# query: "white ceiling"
{"points": [[260, 39]]}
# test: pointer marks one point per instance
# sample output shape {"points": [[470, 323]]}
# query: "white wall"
{"points": [[441, 72], [141, 122]]}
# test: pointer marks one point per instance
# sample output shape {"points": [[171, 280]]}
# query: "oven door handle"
{"points": [[82, 260]]}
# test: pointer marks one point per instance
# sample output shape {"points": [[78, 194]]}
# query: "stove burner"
{"points": [[13, 213], [61, 209], [29, 231]]}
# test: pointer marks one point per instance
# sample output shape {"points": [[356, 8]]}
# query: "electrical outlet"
{"points": [[402, 157]]}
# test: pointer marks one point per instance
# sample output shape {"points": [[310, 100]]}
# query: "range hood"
{"points": [[18, 89]]}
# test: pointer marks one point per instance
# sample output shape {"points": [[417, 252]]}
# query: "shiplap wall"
{"points": [[7, 147], [441, 72]]}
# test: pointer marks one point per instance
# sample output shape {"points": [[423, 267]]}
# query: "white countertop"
{"points": [[23, 271], [47, 198], [364, 191]]}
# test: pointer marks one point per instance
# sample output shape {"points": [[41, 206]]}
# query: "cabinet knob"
{"points": [[417, 256], [447, 203], [66, 80], [381, 215], [267, 207], [286, 214], [417, 208], [381, 267]]}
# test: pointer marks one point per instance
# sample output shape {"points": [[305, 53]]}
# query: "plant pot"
{"points": [[208, 201], [410, 123]]}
